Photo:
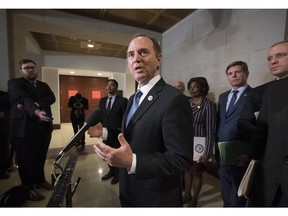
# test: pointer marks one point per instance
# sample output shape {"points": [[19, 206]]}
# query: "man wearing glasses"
{"points": [[31, 126]]}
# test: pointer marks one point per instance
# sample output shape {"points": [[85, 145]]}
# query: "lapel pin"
{"points": [[150, 98]]}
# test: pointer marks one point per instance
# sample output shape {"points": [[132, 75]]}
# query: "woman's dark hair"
{"points": [[203, 85]]}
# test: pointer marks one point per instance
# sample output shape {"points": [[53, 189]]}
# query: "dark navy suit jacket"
{"points": [[161, 135], [227, 124], [113, 120], [271, 143], [21, 91]]}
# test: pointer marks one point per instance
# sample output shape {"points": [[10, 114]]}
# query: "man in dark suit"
{"points": [[247, 120], [228, 115], [4, 134], [78, 105], [270, 140], [31, 126], [115, 107], [157, 142]]}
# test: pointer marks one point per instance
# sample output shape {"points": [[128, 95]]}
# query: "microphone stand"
{"points": [[62, 183]]}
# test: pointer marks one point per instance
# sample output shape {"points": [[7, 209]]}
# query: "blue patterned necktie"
{"points": [[232, 101], [134, 106]]}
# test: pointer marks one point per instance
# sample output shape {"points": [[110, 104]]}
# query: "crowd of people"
{"points": [[143, 155], [157, 144]]}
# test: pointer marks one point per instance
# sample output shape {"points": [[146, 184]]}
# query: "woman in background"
{"points": [[204, 125]]}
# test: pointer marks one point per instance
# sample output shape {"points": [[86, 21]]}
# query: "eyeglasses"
{"points": [[29, 68]]}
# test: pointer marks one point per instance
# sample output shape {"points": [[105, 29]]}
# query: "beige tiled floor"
{"points": [[91, 191]]}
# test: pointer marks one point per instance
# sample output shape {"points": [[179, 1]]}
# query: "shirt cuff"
{"points": [[133, 166], [104, 133]]}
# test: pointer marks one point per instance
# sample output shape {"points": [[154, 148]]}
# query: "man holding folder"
{"points": [[230, 143]]}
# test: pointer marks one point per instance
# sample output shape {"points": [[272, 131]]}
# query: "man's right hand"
{"points": [[96, 131], [42, 115]]}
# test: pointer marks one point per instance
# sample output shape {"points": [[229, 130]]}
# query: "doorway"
{"points": [[93, 88]]}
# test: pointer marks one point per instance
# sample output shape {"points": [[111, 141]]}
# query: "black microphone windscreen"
{"points": [[94, 117]]}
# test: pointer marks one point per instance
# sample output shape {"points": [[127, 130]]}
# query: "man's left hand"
{"points": [[120, 157]]}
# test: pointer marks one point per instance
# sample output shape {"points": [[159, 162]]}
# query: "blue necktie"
{"points": [[134, 106], [232, 101]]}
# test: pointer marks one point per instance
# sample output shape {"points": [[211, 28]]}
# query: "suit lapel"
{"points": [[147, 102], [113, 105], [240, 101], [223, 104]]}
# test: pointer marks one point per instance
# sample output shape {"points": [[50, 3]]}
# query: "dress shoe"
{"points": [[114, 181], [107, 176], [44, 185], [35, 196]]}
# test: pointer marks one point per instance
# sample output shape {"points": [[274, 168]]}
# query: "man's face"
{"points": [[278, 60], [142, 60], [178, 85], [29, 71], [236, 76], [111, 88]]}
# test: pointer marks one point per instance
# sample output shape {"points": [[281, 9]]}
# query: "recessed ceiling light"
{"points": [[71, 72], [90, 44]]}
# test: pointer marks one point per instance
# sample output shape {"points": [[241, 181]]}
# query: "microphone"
{"points": [[93, 118]]}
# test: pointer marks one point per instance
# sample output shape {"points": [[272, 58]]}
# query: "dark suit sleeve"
{"points": [[85, 103], [247, 121], [19, 93], [261, 131], [46, 96], [71, 102]]}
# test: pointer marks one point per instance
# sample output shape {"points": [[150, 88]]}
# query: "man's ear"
{"points": [[159, 58]]}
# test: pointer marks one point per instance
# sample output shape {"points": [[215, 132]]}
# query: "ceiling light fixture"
{"points": [[90, 44]]}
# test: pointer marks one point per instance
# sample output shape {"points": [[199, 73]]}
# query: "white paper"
{"points": [[199, 147]]}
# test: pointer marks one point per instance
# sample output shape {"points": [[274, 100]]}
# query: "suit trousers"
{"points": [[230, 178], [31, 155]]}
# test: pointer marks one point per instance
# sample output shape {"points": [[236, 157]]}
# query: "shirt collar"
{"points": [[146, 88], [240, 89]]}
